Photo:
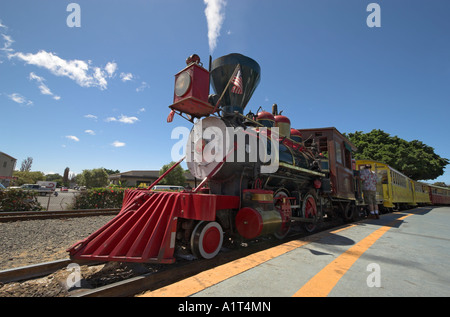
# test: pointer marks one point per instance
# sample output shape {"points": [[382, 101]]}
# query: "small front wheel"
{"points": [[206, 239]]}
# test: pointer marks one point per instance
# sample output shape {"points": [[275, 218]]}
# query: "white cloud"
{"points": [[118, 144], [142, 86], [126, 76], [91, 116], [123, 119], [91, 132], [43, 87], [111, 69], [73, 138], [214, 18], [129, 120], [7, 43], [20, 99], [141, 110], [77, 70], [100, 76], [110, 119], [81, 71]]}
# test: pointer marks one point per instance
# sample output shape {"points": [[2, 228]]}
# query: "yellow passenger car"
{"points": [[421, 193], [394, 190]]}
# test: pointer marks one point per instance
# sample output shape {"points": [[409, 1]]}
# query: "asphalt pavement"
{"points": [[401, 254], [60, 202]]}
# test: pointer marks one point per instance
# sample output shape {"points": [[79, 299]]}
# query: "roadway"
{"points": [[401, 254], [59, 202]]}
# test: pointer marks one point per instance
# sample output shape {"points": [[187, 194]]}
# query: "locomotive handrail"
{"points": [[304, 170], [166, 172], [214, 169], [226, 87]]}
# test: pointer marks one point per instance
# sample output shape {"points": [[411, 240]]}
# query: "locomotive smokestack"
{"points": [[226, 72]]}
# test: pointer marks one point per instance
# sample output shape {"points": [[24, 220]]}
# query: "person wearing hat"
{"points": [[369, 179]]}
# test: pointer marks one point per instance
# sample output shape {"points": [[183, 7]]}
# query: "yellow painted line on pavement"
{"points": [[218, 274], [323, 282]]}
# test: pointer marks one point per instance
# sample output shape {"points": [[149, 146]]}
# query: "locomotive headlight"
{"points": [[182, 84]]}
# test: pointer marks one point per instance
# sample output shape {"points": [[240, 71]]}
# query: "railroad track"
{"points": [[162, 276], [184, 269], [165, 275], [32, 271], [30, 215]]}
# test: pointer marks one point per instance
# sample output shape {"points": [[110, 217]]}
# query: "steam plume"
{"points": [[214, 17]]}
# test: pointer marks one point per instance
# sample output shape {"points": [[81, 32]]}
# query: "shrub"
{"points": [[19, 200], [99, 198]]}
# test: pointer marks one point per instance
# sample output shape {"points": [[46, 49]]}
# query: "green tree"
{"points": [[175, 177], [96, 177], [110, 172], [27, 177], [66, 177], [414, 159], [441, 184]]}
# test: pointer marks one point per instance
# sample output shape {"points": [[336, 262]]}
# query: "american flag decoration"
{"points": [[237, 83]]}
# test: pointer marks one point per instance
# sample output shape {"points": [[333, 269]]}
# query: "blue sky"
{"points": [[98, 95]]}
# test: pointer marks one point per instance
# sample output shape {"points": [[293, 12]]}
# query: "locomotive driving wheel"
{"points": [[283, 205], [206, 239], [309, 210]]}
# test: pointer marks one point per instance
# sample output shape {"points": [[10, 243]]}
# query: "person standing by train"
{"points": [[369, 179]]}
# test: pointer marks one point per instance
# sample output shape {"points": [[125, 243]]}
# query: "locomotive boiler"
{"points": [[257, 176]]}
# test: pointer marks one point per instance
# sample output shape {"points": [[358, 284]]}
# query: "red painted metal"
{"points": [[145, 228], [211, 239], [282, 119], [283, 205], [310, 207], [207, 239], [249, 223], [195, 100]]}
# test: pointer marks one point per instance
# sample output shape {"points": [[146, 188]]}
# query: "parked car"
{"points": [[169, 188], [64, 189], [41, 190]]}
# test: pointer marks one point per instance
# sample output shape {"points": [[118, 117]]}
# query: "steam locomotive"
{"points": [[259, 175]]}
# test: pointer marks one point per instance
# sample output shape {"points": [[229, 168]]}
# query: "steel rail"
{"points": [[32, 271], [30, 215], [151, 281], [169, 275], [179, 271]]}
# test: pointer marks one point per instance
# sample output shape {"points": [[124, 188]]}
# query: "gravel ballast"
{"points": [[34, 241], [30, 242]]}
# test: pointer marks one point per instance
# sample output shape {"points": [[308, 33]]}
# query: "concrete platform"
{"points": [[401, 254]]}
